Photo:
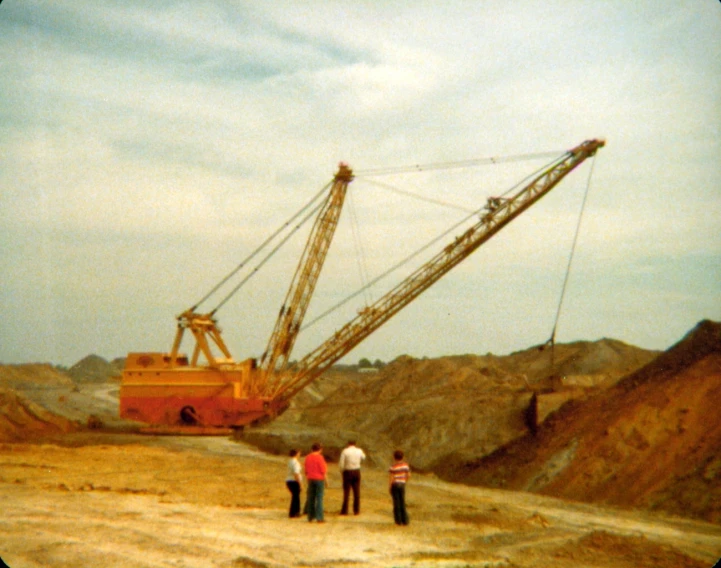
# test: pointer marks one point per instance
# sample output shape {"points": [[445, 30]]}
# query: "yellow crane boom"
{"points": [[499, 212]]}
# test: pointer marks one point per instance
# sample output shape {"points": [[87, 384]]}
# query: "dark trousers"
{"points": [[398, 492], [294, 488], [314, 503], [351, 481]]}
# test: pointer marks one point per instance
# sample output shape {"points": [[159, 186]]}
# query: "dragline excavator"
{"points": [[207, 392]]}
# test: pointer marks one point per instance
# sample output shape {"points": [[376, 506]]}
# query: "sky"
{"points": [[147, 148]]}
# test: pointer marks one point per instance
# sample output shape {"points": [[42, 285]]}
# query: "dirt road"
{"points": [[137, 501]]}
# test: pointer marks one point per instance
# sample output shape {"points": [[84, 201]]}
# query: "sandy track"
{"points": [[151, 502]]}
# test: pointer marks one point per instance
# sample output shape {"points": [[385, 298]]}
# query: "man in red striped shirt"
{"points": [[398, 475], [316, 471]]}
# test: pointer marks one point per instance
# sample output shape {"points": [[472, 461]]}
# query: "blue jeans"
{"points": [[315, 499]]}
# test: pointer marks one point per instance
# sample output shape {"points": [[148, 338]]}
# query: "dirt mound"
{"points": [[586, 362], [651, 441], [22, 419], [90, 401], [447, 411], [702, 341], [601, 548], [33, 376], [331, 381], [95, 369]]}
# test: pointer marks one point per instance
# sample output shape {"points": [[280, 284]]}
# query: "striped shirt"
{"points": [[400, 471]]}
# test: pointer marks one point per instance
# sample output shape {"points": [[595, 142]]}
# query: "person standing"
{"points": [[349, 465], [293, 481], [399, 473], [316, 471]]}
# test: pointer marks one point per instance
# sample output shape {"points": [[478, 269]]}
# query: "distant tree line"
{"points": [[366, 364]]}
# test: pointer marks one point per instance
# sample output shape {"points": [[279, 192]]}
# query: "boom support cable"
{"points": [[359, 249], [416, 196], [387, 272], [268, 256], [257, 251], [365, 173], [429, 244], [457, 164]]}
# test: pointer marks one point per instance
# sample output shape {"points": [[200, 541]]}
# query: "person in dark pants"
{"points": [[398, 475], [349, 465], [293, 481]]}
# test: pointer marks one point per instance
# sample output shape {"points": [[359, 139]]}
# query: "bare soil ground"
{"points": [[112, 500], [74, 496]]}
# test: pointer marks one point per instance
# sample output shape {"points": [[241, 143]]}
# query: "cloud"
{"points": [[148, 147]]}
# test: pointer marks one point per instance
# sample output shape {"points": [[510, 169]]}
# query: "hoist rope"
{"points": [[552, 340], [261, 247]]}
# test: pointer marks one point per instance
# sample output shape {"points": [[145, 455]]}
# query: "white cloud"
{"points": [[161, 142]]}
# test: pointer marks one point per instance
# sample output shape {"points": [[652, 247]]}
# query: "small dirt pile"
{"points": [[22, 419], [33, 376], [600, 547], [95, 369], [92, 399], [652, 441]]}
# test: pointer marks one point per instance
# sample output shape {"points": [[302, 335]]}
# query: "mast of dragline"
{"points": [[499, 211], [275, 358]]}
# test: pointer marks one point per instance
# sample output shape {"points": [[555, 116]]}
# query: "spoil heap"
{"points": [[652, 441], [447, 411]]}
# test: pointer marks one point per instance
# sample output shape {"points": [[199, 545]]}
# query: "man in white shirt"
{"points": [[293, 481], [350, 464]]}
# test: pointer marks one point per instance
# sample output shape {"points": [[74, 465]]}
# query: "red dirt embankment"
{"points": [[22, 419], [652, 441]]}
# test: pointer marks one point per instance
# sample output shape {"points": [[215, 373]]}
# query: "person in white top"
{"points": [[350, 464], [293, 481]]}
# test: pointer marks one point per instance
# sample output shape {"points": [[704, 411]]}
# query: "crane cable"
{"points": [[425, 247], [363, 173], [406, 193], [359, 248], [552, 340], [285, 239], [324, 404], [456, 164], [260, 248]]}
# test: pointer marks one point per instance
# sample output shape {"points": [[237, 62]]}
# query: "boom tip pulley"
{"points": [[344, 174]]}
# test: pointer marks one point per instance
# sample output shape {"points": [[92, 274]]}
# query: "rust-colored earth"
{"points": [[653, 441]]}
